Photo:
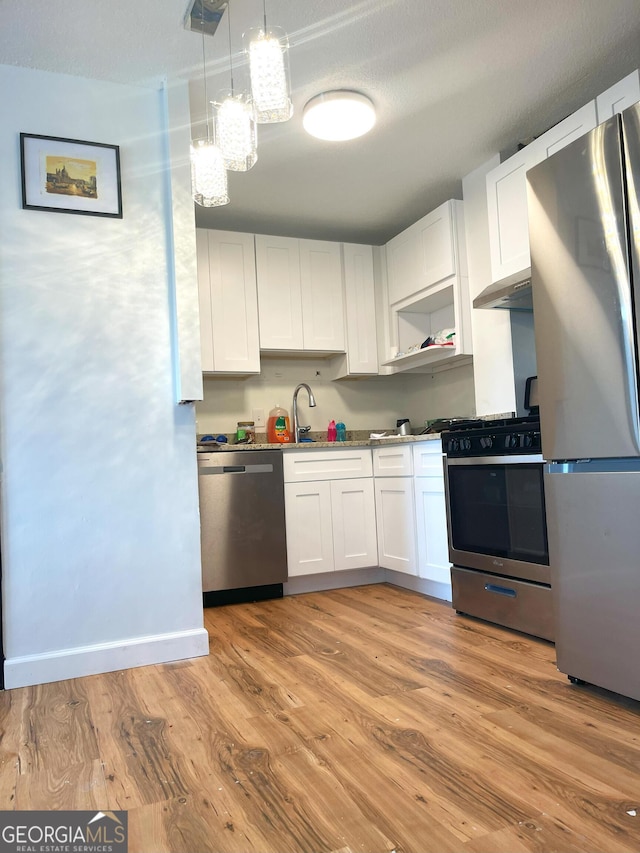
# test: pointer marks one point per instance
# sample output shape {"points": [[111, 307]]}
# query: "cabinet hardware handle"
{"points": [[500, 590]]}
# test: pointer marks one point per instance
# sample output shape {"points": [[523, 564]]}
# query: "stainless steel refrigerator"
{"points": [[584, 225]]}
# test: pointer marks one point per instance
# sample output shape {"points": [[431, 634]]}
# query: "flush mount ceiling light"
{"points": [[339, 115]]}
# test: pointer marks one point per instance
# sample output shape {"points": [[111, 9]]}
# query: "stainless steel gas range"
{"points": [[497, 525]]}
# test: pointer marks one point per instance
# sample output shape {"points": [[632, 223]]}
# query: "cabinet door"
{"points": [[566, 131], [624, 94], [353, 511], [402, 265], [395, 522], [436, 246], [507, 212], [431, 529], [230, 313], [362, 345], [321, 288], [309, 531], [279, 295], [393, 461], [507, 193]]}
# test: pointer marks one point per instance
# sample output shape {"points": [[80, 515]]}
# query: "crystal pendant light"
{"points": [[235, 124], [208, 174], [268, 51]]}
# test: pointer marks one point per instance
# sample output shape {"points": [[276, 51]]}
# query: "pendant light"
{"points": [[235, 123], [208, 174], [268, 51]]}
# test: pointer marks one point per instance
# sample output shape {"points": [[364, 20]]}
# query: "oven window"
{"points": [[499, 510]]}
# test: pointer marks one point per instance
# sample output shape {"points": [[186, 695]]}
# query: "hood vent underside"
{"points": [[512, 293]]}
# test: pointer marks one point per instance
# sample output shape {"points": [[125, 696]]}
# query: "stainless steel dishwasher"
{"points": [[242, 524]]}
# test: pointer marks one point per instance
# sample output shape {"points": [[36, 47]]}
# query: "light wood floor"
{"points": [[359, 720]]}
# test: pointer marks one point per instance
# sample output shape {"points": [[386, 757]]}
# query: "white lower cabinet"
{"points": [[309, 528], [355, 508], [353, 514], [431, 513], [331, 523], [395, 521], [395, 512]]}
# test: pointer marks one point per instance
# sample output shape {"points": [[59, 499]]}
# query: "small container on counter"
{"points": [[331, 431], [246, 432], [341, 431]]}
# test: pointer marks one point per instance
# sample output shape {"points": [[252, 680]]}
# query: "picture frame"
{"points": [[70, 176]]}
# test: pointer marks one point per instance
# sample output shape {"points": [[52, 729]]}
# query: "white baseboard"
{"points": [[435, 589], [104, 657], [333, 580]]}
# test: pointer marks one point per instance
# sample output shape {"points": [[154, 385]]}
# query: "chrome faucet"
{"points": [[297, 429]]}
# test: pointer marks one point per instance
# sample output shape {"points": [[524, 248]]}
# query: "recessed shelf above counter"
{"points": [[428, 292], [428, 360]]}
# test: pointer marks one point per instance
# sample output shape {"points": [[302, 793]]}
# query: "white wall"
{"points": [[523, 345], [100, 547], [492, 355], [362, 404]]}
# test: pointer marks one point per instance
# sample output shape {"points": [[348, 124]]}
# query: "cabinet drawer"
{"points": [[301, 466], [392, 461], [515, 604], [427, 459]]}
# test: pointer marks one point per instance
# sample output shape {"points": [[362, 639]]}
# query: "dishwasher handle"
{"points": [[235, 469]]}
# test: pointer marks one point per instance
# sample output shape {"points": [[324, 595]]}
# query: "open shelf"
{"points": [[429, 359]]}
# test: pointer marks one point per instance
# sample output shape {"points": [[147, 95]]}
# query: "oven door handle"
{"points": [[501, 590], [512, 459]]}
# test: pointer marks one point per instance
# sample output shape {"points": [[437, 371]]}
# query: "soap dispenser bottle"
{"points": [[341, 431], [331, 431]]}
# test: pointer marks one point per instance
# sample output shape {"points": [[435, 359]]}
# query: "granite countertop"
{"points": [[356, 438], [364, 441]]}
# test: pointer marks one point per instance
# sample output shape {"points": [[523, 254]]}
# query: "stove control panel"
{"points": [[500, 439]]}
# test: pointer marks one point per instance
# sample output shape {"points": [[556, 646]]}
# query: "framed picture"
{"points": [[70, 176]]}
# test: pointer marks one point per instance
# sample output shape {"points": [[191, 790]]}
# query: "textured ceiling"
{"points": [[454, 82]]}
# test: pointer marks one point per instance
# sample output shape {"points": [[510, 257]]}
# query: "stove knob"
{"points": [[453, 445], [486, 441], [465, 444], [527, 440], [510, 440]]}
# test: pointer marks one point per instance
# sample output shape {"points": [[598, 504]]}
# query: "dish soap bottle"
{"points": [[331, 431], [341, 431], [278, 429]]}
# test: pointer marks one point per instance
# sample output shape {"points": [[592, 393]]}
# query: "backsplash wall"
{"points": [[373, 403]]}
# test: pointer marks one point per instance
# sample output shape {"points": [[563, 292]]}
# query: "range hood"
{"points": [[513, 293]]}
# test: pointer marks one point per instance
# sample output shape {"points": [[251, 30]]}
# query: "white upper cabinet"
{"points": [[507, 194], [360, 312], [299, 295], [279, 293], [566, 131], [402, 264], [428, 292], [322, 303], [228, 302], [507, 211], [423, 254], [616, 99]]}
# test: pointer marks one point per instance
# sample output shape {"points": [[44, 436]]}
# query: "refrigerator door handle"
{"points": [[631, 140]]}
